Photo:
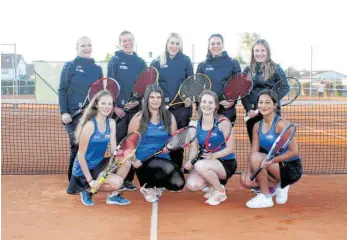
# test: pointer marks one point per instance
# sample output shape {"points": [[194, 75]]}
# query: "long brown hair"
{"points": [[146, 116], [268, 67], [90, 112], [216, 100]]}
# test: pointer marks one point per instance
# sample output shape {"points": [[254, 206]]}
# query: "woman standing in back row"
{"points": [[125, 66], [76, 78], [265, 73], [219, 67], [173, 67]]}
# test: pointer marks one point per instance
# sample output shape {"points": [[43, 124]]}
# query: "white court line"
{"points": [[339, 124], [320, 131], [154, 221]]}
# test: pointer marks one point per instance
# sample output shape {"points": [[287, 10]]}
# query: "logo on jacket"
{"points": [[79, 69], [209, 69], [123, 67], [164, 66]]}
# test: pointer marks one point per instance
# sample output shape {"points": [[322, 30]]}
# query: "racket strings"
{"points": [[286, 137], [182, 138], [281, 88], [147, 77], [237, 87], [193, 86], [214, 143]]}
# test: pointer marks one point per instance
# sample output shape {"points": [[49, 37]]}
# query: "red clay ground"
{"points": [[37, 207]]}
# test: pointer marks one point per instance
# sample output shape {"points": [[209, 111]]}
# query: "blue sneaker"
{"points": [[117, 199], [86, 198]]}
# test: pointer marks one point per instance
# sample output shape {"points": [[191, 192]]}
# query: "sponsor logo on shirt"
{"points": [[123, 67], [269, 137], [164, 66], [79, 69], [209, 69]]}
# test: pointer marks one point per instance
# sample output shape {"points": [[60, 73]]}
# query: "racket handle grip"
{"points": [[194, 161], [247, 117], [255, 173], [101, 181]]}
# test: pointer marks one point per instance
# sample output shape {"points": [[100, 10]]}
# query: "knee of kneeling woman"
{"points": [[256, 159], [192, 186], [200, 166], [117, 182]]}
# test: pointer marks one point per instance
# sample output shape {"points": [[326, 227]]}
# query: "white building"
{"points": [[8, 63]]}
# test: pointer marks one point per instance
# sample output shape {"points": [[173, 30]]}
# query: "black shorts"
{"points": [[78, 184], [230, 168], [290, 172]]}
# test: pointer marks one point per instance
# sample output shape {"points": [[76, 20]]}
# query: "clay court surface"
{"points": [[37, 207]]}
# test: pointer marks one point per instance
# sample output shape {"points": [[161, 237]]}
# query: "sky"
{"points": [[47, 30]]}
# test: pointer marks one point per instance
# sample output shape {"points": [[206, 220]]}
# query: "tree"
{"points": [[108, 57], [292, 72], [240, 59], [246, 43]]}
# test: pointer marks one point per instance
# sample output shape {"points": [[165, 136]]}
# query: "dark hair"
{"points": [[270, 93], [164, 114], [209, 54]]}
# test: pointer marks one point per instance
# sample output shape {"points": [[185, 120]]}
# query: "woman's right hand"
{"points": [[119, 112], [66, 118], [137, 164], [94, 184], [251, 113], [248, 181], [189, 166]]}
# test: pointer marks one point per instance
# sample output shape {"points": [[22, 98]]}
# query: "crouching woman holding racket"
{"points": [[94, 131], [281, 166], [155, 125], [215, 163]]}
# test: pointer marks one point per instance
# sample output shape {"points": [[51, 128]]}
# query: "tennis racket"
{"points": [[191, 88], [280, 144], [213, 143], [107, 83], [237, 87], [286, 90], [124, 152], [147, 77], [180, 139]]}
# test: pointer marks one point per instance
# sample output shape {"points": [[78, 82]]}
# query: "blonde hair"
{"points": [[123, 33], [216, 100], [164, 55], [268, 67], [90, 112]]}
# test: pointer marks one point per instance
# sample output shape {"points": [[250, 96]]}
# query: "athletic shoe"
{"points": [[117, 199], [282, 195], [260, 201], [86, 198], [216, 198], [205, 189], [127, 186], [209, 193], [150, 194], [159, 191]]}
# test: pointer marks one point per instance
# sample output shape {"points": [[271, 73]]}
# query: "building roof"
{"points": [[7, 60]]}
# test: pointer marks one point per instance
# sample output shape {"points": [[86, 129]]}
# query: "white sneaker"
{"points": [[260, 201], [150, 194], [205, 189], [216, 198], [282, 195], [159, 191], [209, 193]]}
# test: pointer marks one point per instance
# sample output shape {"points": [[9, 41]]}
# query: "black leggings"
{"points": [[159, 172]]}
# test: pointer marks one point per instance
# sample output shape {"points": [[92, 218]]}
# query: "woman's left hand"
{"points": [[226, 104], [131, 105], [208, 155], [266, 164], [165, 150]]}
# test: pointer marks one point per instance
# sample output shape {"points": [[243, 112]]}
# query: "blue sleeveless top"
{"points": [[96, 148], [266, 140], [216, 137], [152, 141]]}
